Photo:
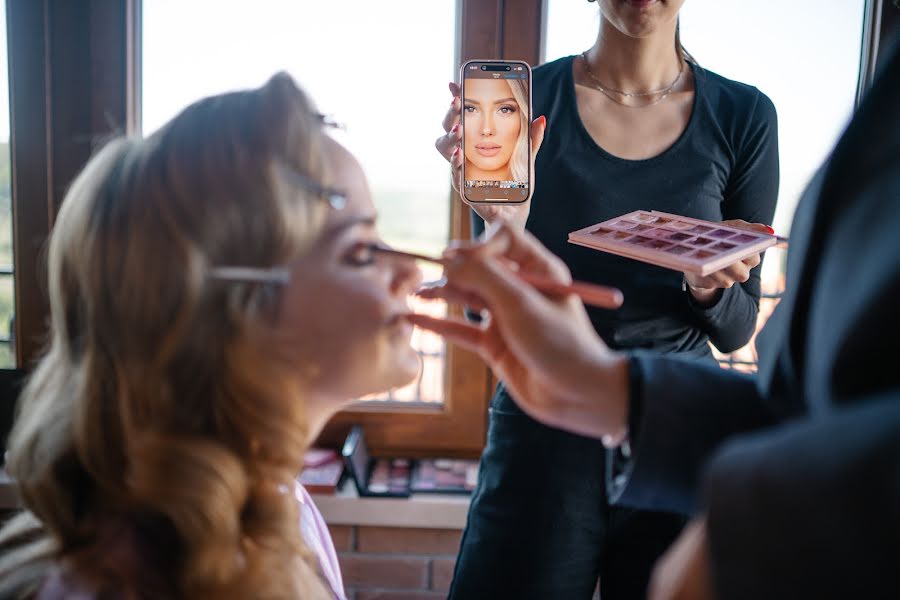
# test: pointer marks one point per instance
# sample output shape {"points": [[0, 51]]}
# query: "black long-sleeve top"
{"points": [[723, 166]]}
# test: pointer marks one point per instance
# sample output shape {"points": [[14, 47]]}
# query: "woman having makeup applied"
{"points": [[215, 298], [496, 118], [631, 123]]}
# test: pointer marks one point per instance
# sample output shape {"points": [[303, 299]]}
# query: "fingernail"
{"points": [[453, 102], [543, 120], [455, 152], [455, 127], [772, 231], [452, 91]]}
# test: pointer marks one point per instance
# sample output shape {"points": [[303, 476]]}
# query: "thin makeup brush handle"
{"points": [[594, 295], [591, 294]]}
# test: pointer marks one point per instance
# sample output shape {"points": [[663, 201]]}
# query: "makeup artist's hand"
{"points": [[449, 145], [707, 290], [683, 572], [545, 349]]}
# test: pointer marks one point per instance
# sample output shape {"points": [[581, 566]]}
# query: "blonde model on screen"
{"points": [[496, 126], [213, 302]]}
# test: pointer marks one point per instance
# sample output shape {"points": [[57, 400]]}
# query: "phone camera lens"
{"points": [[507, 68], [484, 67]]}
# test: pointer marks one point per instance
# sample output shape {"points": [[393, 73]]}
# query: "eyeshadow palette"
{"points": [[386, 477], [444, 476], [674, 242], [322, 471]]}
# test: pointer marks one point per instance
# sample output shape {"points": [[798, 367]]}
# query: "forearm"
{"points": [[729, 320], [681, 412]]}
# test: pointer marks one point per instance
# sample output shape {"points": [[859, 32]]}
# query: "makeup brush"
{"points": [[591, 294]]}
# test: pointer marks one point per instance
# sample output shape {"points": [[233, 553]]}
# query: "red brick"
{"points": [[342, 536], [399, 540], [396, 595], [442, 573], [361, 571]]}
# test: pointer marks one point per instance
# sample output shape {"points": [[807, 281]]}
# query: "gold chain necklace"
{"points": [[608, 91]]}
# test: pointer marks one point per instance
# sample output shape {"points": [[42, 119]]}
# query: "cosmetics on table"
{"points": [[674, 242], [398, 477], [444, 476], [388, 477], [322, 472]]}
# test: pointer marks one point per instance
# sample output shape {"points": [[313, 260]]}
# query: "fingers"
{"points": [[727, 277], [752, 261], [742, 224], [447, 143], [522, 249], [484, 276], [469, 336], [538, 127], [452, 116], [452, 294]]}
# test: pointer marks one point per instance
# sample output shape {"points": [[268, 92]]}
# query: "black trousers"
{"points": [[539, 525]]}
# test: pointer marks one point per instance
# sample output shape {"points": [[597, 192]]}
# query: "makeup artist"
{"points": [[797, 470], [631, 123]]}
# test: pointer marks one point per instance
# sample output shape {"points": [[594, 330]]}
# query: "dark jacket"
{"points": [[804, 497]]}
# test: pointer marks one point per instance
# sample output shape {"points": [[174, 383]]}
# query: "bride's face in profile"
{"points": [[345, 304]]}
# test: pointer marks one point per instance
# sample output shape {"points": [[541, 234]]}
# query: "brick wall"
{"points": [[392, 563]]}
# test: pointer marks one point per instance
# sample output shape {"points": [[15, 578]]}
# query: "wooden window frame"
{"points": [[74, 68]]}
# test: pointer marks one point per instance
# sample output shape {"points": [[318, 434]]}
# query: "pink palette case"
{"points": [[672, 241]]}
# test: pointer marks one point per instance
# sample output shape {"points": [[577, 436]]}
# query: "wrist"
{"points": [[612, 382], [703, 296]]}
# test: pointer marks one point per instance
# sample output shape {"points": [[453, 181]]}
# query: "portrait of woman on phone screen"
{"points": [[496, 132]]}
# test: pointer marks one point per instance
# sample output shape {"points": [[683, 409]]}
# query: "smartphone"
{"points": [[496, 125]]}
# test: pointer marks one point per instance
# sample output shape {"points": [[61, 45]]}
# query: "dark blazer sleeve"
{"points": [[686, 409], [811, 510], [751, 194]]}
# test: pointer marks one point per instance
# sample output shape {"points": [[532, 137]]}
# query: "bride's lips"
{"points": [[641, 3], [487, 149]]}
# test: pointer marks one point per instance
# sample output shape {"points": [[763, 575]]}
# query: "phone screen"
{"points": [[496, 119]]}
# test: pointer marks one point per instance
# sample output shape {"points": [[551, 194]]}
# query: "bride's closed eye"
{"points": [[361, 254]]}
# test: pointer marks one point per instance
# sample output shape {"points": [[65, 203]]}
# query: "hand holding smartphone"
{"points": [[496, 132]]}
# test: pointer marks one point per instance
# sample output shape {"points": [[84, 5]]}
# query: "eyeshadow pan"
{"points": [[678, 250], [641, 228], [640, 240], [701, 229], [601, 231], [658, 244], [702, 254], [724, 246], [644, 218], [680, 237], [624, 224], [621, 235], [744, 238], [659, 233], [701, 241], [680, 225], [662, 221], [722, 234]]}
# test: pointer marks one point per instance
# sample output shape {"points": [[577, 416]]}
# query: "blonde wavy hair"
{"points": [[519, 162], [158, 440]]}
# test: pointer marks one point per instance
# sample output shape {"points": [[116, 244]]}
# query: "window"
{"points": [[804, 55], [7, 304], [380, 70], [340, 54]]}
